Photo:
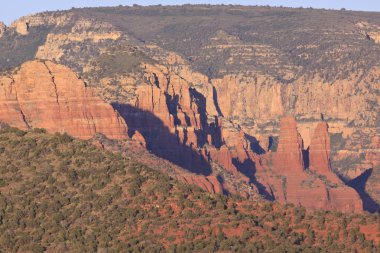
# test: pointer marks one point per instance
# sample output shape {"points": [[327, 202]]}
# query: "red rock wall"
{"points": [[51, 96]]}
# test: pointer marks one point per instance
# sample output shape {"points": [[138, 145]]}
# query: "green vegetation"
{"points": [[274, 41], [119, 61], [16, 49], [62, 194]]}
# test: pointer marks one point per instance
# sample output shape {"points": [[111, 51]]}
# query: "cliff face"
{"points": [[170, 119], [352, 112], [317, 187], [186, 135], [51, 96]]}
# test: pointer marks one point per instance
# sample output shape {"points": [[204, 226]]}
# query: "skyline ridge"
{"points": [[11, 12]]}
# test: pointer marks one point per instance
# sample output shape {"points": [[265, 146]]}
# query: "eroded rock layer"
{"points": [[51, 96]]}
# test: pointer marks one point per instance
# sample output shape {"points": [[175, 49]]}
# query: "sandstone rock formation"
{"points": [[173, 119], [289, 158], [22, 27], [167, 114], [137, 136], [372, 183], [170, 118], [317, 188], [319, 152], [210, 183], [51, 96], [82, 30]]}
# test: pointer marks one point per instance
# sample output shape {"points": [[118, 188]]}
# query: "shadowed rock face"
{"points": [[172, 122], [51, 96], [165, 121]]}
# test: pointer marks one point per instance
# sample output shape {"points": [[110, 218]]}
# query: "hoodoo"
{"points": [[319, 152], [314, 188], [289, 157]]}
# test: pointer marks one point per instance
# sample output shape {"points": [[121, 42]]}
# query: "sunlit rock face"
{"points": [[51, 96]]}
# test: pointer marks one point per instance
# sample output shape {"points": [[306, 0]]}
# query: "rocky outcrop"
{"points": [[51, 96], [210, 183], [289, 158], [317, 187], [22, 27], [319, 151], [372, 186], [171, 116], [139, 138], [82, 30], [373, 155], [219, 123], [58, 19]]}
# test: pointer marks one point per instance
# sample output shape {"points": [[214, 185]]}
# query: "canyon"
{"points": [[169, 119], [233, 110]]}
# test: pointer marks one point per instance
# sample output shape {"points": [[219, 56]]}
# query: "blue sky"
{"points": [[14, 9]]}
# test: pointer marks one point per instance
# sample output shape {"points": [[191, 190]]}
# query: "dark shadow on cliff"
{"points": [[248, 168], [212, 128], [160, 141], [215, 98], [359, 184], [273, 143], [255, 144], [306, 159], [221, 181]]}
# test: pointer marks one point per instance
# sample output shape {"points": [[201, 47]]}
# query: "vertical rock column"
{"points": [[289, 157], [319, 152]]}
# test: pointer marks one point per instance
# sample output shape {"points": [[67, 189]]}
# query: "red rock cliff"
{"points": [[51, 96]]}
